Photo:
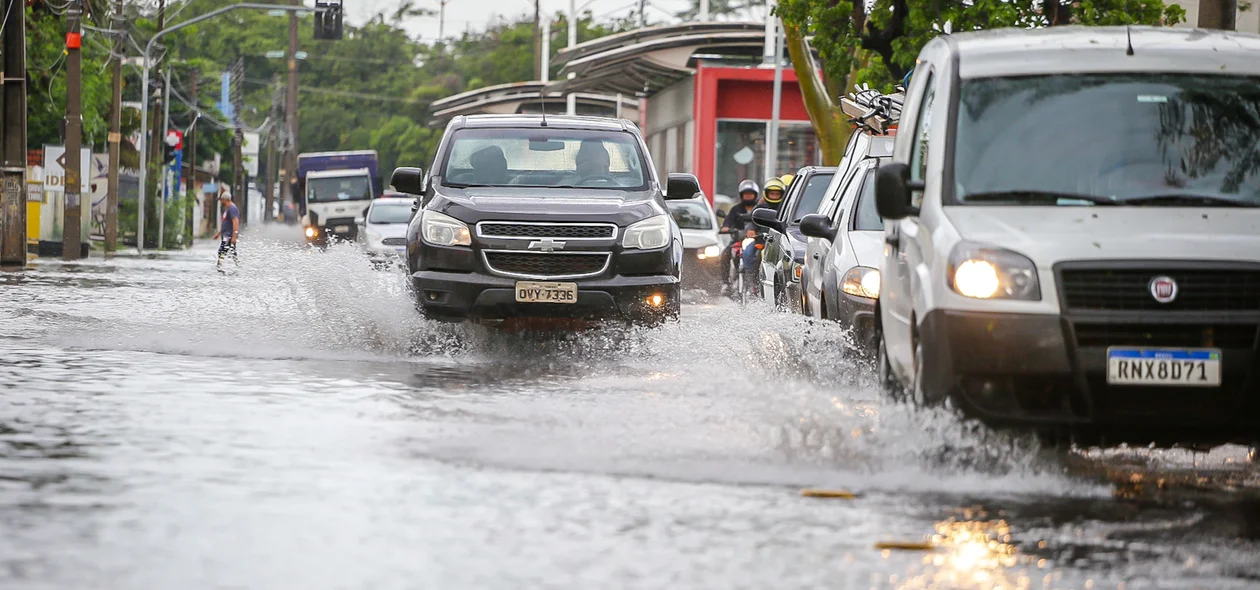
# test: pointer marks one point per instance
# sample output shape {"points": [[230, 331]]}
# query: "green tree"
{"points": [[878, 46]]}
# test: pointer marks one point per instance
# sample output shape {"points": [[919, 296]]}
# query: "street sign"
{"points": [[275, 54], [175, 139]]}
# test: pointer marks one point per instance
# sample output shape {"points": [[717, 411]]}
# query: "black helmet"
{"points": [[748, 186]]}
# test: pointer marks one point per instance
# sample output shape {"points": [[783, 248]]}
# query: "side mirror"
{"points": [[767, 218], [682, 186], [408, 180], [892, 191], [720, 214], [816, 225]]}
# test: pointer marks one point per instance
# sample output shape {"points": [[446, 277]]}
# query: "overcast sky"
{"points": [[477, 14]]}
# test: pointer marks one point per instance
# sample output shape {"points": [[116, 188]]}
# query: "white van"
{"points": [[1072, 228]]}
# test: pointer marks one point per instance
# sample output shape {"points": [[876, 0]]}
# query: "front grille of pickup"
{"points": [[394, 242], [1089, 335], [564, 231], [1128, 289], [546, 265]]}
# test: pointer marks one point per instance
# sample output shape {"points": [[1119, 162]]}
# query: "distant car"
{"points": [[384, 226], [848, 240], [702, 247], [784, 255]]}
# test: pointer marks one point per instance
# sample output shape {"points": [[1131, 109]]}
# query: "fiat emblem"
{"points": [[1163, 289]]}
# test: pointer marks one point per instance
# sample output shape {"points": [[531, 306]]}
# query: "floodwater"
{"points": [[297, 425]]}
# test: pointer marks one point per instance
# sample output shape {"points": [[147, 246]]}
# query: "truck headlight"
{"points": [[444, 230], [984, 272], [861, 281], [649, 234], [709, 252]]}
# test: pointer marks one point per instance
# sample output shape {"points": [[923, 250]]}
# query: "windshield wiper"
{"points": [[1183, 200], [1038, 197]]}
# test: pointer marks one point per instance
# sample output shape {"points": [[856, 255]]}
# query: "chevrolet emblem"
{"points": [[547, 245]]}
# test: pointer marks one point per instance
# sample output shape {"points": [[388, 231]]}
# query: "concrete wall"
{"points": [[669, 129], [1248, 14]]}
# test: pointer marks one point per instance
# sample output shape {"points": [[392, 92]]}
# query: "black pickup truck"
{"points": [[526, 217]]}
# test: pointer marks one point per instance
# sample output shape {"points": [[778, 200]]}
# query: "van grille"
{"points": [[1128, 289]]}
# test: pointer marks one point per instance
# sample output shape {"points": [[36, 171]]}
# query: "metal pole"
{"points": [[546, 53], [291, 115], [115, 133], [166, 172], [13, 134], [772, 144], [72, 207], [571, 99], [537, 40], [268, 183], [704, 10], [144, 82], [768, 47], [441, 20], [190, 140]]}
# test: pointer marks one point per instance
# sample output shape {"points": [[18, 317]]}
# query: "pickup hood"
{"points": [[868, 248], [1049, 235], [540, 204]]}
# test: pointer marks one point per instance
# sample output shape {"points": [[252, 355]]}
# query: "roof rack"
{"points": [[872, 110]]}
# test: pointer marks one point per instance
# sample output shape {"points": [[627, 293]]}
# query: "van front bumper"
{"points": [[1048, 372]]}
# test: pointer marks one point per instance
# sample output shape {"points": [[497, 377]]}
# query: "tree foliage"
{"points": [[878, 46]]}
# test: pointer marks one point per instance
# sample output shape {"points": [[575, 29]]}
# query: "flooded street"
{"points": [[297, 425]]}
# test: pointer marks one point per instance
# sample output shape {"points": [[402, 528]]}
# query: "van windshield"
{"points": [[1109, 139], [340, 188], [545, 158]]}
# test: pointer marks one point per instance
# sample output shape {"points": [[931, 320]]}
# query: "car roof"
{"points": [[1088, 49], [536, 121], [395, 200]]}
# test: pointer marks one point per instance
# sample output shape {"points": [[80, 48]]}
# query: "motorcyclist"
{"points": [[737, 220], [772, 198]]}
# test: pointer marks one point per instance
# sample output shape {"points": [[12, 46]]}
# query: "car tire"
{"points": [[888, 382], [918, 395]]}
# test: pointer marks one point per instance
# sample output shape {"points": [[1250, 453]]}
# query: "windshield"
{"points": [[811, 197], [545, 158], [389, 213], [867, 218], [1109, 139], [344, 188], [690, 215]]}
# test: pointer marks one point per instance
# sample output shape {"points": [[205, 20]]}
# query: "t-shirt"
{"points": [[228, 215]]}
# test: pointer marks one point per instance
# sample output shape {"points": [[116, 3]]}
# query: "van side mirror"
{"points": [[816, 225], [408, 180], [682, 186], [892, 191], [767, 218]]}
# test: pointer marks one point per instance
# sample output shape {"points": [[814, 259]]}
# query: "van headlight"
{"points": [[861, 281], [444, 230], [649, 234], [983, 272]]}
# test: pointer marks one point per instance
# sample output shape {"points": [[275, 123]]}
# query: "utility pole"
{"points": [[72, 208], [704, 11], [290, 113], [238, 139], [441, 20], [772, 142], [13, 136], [190, 141], [164, 185], [570, 98], [115, 133], [270, 173], [537, 40], [642, 13]]}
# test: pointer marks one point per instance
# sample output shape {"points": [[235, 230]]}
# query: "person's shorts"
{"points": [[226, 247]]}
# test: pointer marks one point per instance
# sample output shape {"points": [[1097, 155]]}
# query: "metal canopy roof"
{"points": [[512, 98], [644, 61]]}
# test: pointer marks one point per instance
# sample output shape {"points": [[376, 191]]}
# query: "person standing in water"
{"points": [[229, 229]]}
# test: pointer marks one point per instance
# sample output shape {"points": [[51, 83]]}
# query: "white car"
{"points": [[384, 226], [702, 246], [1072, 227]]}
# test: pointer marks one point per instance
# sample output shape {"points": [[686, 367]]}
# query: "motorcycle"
{"points": [[739, 281]]}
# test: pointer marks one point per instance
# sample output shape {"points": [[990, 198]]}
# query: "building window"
{"points": [[798, 148], [741, 153]]}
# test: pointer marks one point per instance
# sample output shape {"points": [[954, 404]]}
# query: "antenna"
{"points": [[542, 94], [1128, 32]]}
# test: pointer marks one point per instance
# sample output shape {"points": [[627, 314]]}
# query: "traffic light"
{"points": [[328, 19]]}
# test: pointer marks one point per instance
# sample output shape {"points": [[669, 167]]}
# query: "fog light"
{"points": [[656, 300], [311, 232]]}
